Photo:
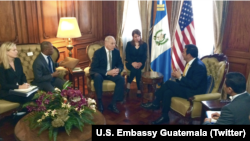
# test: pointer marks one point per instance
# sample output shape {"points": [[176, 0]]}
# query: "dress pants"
{"points": [[50, 86], [119, 85], [168, 90]]}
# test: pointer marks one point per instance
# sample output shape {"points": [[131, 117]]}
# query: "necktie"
{"points": [[110, 61], [49, 63], [185, 70]]}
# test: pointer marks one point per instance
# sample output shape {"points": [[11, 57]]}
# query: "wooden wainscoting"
{"points": [[36, 21], [236, 42]]}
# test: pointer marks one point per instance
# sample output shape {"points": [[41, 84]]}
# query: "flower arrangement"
{"points": [[60, 109]]}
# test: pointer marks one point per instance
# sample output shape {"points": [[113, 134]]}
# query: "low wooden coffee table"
{"points": [[24, 133], [212, 105], [150, 79]]}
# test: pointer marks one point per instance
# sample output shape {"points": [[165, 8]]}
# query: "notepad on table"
{"points": [[209, 113]]}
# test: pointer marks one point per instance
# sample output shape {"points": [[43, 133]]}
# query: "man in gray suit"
{"points": [[238, 110], [46, 77]]}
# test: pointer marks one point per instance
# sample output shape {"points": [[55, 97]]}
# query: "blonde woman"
{"points": [[11, 73]]}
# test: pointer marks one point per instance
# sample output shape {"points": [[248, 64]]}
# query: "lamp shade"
{"points": [[68, 28]]}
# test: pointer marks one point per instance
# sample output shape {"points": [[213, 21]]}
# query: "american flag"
{"points": [[184, 35]]}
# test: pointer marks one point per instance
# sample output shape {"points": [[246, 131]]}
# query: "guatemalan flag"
{"points": [[161, 46]]}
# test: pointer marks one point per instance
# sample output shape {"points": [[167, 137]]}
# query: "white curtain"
{"points": [[145, 8], [203, 24], [132, 22], [220, 16]]}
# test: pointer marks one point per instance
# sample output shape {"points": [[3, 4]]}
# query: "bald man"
{"points": [[107, 65]]}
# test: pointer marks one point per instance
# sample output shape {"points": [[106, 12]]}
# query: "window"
{"points": [[133, 21], [203, 24]]}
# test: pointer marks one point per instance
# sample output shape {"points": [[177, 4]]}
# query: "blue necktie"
{"points": [[50, 66]]}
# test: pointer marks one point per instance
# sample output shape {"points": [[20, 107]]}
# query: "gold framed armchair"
{"points": [[217, 66], [27, 61], [8, 107], [108, 86]]}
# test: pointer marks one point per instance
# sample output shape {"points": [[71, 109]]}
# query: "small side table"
{"points": [[77, 75], [150, 79], [212, 105]]}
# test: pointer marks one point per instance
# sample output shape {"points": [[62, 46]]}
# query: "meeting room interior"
{"points": [[66, 65]]}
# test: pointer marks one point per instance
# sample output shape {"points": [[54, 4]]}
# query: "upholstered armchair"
{"points": [[108, 86], [7, 107], [217, 66], [27, 61]]}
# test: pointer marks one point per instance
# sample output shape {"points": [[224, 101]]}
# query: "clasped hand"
{"points": [[113, 72], [176, 74], [136, 65], [24, 86], [55, 74]]}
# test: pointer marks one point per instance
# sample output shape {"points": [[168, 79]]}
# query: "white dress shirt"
{"points": [[233, 97], [108, 65], [46, 58]]}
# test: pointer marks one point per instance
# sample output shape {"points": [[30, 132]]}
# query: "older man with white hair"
{"points": [[107, 65]]}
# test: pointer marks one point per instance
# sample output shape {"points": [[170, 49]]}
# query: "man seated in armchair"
{"points": [[107, 65], [237, 111], [46, 76], [192, 82]]}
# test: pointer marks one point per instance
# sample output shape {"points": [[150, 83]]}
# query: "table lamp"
{"points": [[68, 28]]}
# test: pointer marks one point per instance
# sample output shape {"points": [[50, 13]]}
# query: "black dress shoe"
{"points": [[150, 106], [100, 107], [113, 108], [160, 120]]}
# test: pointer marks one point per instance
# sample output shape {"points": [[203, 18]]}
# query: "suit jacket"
{"points": [[41, 70], [195, 81], [236, 112], [133, 56], [99, 61], [9, 78]]}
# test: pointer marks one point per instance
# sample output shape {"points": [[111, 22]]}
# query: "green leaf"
{"points": [[55, 132], [25, 104], [36, 96], [35, 125], [51, 129], [86, 120], [68, 126], [78, 123], [66, 84], [44, 126]]}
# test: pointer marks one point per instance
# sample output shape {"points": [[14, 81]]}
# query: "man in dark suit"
{"points": [[192, 82], [46, 77], [237, 111], [107, 65]]}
